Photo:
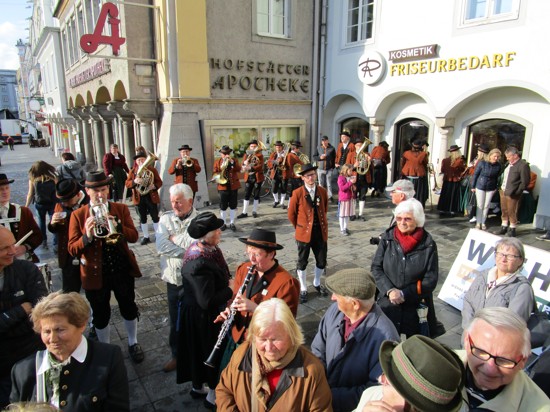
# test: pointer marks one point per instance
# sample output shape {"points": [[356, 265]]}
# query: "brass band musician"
{"points": [[227, 168], [292, 159], [345, 153], [278, 174], [145, 181], [364, 180], [253, 165], [185, 168]]}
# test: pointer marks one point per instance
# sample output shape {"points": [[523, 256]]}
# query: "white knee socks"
{"points": [[104, 335], [317, 276], [145, 229], [302, 278], [131, 330]]}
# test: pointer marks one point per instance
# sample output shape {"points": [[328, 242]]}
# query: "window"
{"points": [[496, 133], [273, 17], [80, 16], [360, 20], [65, 50], [482, 11]]}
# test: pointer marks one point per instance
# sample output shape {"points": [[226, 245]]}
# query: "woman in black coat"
{"points": [[205, 281], [405, 267]]}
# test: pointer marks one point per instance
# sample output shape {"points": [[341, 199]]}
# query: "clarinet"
{"points": [[214, 358]]}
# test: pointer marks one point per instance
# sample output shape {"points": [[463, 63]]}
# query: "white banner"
{"points": [[477, 254]]}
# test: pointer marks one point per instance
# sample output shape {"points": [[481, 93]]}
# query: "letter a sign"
{"points": [[90, 42]]}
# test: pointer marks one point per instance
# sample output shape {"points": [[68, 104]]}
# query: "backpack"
{"points": [[44, 192]]}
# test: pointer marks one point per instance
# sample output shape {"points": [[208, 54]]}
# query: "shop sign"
{"points": [[261, 76], [90, 42], [99, 68], [64, 133], [413, 53], [371, 67]]}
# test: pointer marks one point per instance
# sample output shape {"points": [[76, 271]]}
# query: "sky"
{"points": [[13, 21]]}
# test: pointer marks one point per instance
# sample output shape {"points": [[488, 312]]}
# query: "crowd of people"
{"points": [[234, 336]]}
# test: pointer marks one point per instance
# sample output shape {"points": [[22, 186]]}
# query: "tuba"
{"points": [[298, 167], [363, 158], [147, 177], [104, 228]]}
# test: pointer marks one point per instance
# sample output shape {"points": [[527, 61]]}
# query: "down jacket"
{"points": [[486, 176]]}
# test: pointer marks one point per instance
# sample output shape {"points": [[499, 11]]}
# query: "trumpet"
{"points": [[298, 167], [104, 228], [185, 161], [214, 358], [147, 177]]}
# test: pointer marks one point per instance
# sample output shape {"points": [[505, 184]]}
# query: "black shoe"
{"points": [[284, 207], [145, 240], [352, 218], [362, 218], [275, 204], [242, 216], [511, 232], [321, 290], [136, 353], [254, 214], [347, 231], [223, 227], [545, 237], [209, 406], [232, 227], [303, 297], [503, 230]]}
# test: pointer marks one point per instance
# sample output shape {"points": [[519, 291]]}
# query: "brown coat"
{"points": [[414, 163], [273, 164], [258, 168], [130, 184], [300, 212], [90, 250], [302, 386], [380, 152], [291, 160], [277, 283], [452, 172], [24, 226], [232, 174], [187, 175], [350, 156]]}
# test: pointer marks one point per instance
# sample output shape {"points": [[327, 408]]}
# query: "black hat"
{"points": [[345, 133], [384, 143], [263, 239], [4, 180], [278, 143], [253, 142], [296, 143], [66, 189], [202, 224], [454, 148], [307, 167], [483, 148], [226, 149], [96, 179], [140, 154], [185, 147], [324, 138], [418, 143]]}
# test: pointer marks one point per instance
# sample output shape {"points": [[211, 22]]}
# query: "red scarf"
{"points": [[408, 242]]}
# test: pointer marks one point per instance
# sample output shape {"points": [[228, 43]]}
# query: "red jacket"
{"points": [[187, 175], [136, 197], [258, 167], [232, 174], [300, 212]]}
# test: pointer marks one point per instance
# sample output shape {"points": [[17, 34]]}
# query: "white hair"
{"points": [[181, 189], [411, 206]]}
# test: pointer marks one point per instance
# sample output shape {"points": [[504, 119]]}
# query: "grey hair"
{"points": [[504, 318], [181, 189], [512, 242], [512, 150], [411, 206]]}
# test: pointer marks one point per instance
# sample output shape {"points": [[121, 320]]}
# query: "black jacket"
{"points": [[486, 176]]}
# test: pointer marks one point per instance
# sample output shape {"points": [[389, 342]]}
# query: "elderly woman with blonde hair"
{"points": [[272, 370], [73, 373]]}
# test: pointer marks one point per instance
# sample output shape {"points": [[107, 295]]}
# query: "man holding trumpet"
{"points": [[185, 168], [227, 168], [99, 233]]}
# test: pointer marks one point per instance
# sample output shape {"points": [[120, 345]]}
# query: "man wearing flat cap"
{"points": [[293, 158], [20, 221], [228, 168], [307, 211], [350, 335], [71, 198], [270, 280], [253, 165], [185, 168], [145, 181], [99, 234]]}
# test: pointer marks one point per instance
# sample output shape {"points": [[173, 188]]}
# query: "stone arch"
{"points": [[71, 104], [102, 96], [79, 101], [120, 91], [89, 98]]}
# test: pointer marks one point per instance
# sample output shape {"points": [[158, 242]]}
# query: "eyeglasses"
{"points": [[485, 356], [504, 255], [404, 219]]}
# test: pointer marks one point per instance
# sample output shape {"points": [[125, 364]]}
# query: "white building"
{"points": [[455, 72]]}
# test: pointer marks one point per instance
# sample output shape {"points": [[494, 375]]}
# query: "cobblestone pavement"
{"points": [[153, 390]]}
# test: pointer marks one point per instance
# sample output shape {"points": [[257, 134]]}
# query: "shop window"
{"points": [[406, 132], [273, 17], [358, 129], [360, 19], [483, 11], [496, 133]]}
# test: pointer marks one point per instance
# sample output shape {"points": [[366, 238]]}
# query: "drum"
{"points": [[46, 273]]}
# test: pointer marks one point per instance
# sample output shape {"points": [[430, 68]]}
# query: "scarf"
{"points": [[198, 249], [261, 367], [408, 242]]}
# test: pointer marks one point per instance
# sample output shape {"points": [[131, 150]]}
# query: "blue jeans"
{"points": [[42, 211]]}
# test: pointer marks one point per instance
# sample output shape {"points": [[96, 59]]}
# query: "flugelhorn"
{"points": [[104, 228], [215, 356]]}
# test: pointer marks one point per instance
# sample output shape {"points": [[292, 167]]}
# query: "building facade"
{"points": [[462, 72], [8, 91]]}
